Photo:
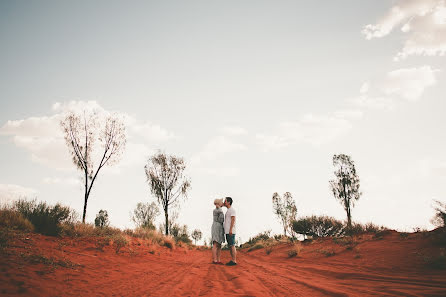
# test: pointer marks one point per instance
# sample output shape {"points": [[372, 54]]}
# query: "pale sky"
{"points": [[257, 96]]}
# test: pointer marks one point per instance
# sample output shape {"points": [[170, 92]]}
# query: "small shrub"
{"points": [[262, 236], [256, 247], [343, 240], [12, 219], [381, 234], [168, 242], [357, 256], [404, 234], [279, 237], [102, 242], [268, 249], [119, 242], [327, 253], [294, 251]]}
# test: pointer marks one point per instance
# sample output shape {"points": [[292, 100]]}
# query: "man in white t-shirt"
{"points": [[229, 226]]}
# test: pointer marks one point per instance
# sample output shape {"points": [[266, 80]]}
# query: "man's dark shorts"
{"points": [[230, 239]]}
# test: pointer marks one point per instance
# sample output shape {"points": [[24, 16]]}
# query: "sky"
{"points": [[256, 96]]}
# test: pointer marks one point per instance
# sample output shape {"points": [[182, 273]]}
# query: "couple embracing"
{"points": [[223, 227]]}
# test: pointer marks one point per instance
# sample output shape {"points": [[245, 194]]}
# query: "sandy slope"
{"points": [[392, 266]]}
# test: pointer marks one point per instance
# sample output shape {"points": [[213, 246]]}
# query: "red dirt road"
{"points": [[392, 266]]}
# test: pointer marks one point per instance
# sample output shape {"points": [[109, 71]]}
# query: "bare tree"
{"points": [[165, 175], [196, 235], [285, 209], [81, 132], [345, 185], [144, 215]]}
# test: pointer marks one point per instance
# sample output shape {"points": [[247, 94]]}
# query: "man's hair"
{"points": [[229, 199]]}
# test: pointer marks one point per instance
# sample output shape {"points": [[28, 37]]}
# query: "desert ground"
{"points": [[385, 264]]}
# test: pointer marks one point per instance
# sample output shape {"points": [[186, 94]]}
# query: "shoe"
{"points": [[231, 263], [219, 263], [214, 262]]}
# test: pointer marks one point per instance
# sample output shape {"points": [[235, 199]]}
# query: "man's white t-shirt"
{"points": [[227, 225]]}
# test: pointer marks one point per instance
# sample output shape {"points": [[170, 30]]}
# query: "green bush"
{"points": [[318, 226], [46, 219]]}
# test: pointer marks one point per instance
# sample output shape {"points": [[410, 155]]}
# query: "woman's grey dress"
{"points": [[218, 233]]}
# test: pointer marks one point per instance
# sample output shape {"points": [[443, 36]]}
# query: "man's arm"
{"points": [[232, 224]]}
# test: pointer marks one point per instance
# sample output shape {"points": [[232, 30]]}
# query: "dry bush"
{"points": [[295, 251], [268, 249], [119, 241], [12, 219], [169, 242], [148, 234], [256, 247], [327, 253], [102, 242]]}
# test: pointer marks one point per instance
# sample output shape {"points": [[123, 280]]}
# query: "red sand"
{"points": [[392, 266]]}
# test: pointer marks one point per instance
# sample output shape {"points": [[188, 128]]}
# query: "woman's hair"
{"points": [[218, 201]]}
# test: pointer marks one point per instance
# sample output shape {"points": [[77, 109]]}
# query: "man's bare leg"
{"points": [[233, 254]]}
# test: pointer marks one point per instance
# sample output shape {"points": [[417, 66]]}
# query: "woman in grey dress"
{"points": [[218, 233]]}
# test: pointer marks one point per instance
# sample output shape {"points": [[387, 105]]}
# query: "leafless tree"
{"points": [[285, 209], [165, 175], [345, 185], [81, 132]]}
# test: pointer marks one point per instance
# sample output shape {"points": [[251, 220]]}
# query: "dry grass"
{"points": [[256, 247], [12, 219], [168, 242], [119, 241], [295, 251], [327, 252]]}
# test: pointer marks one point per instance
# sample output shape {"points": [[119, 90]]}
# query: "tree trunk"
{"points": [[85, 198], [166, 213]]}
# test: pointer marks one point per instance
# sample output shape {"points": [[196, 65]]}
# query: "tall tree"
{"points": [[81, 132], [285, 209], [165, 176], [345, 185]]}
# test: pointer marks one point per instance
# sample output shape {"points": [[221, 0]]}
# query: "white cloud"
{"points": [[209, 159], [409, 83], [42, 137], [405, 83], [313, 129], [233, 130], [217, 147], [60, 180], [10, 193], [423, 24]]}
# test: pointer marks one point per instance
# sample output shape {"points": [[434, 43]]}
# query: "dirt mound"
{"points": [[390, 264]]}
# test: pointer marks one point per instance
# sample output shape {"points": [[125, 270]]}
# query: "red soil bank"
{"points": [[36, 265]]}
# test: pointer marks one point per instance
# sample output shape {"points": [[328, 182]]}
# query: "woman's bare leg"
{"points": [[214, 251], [219, 253]]}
